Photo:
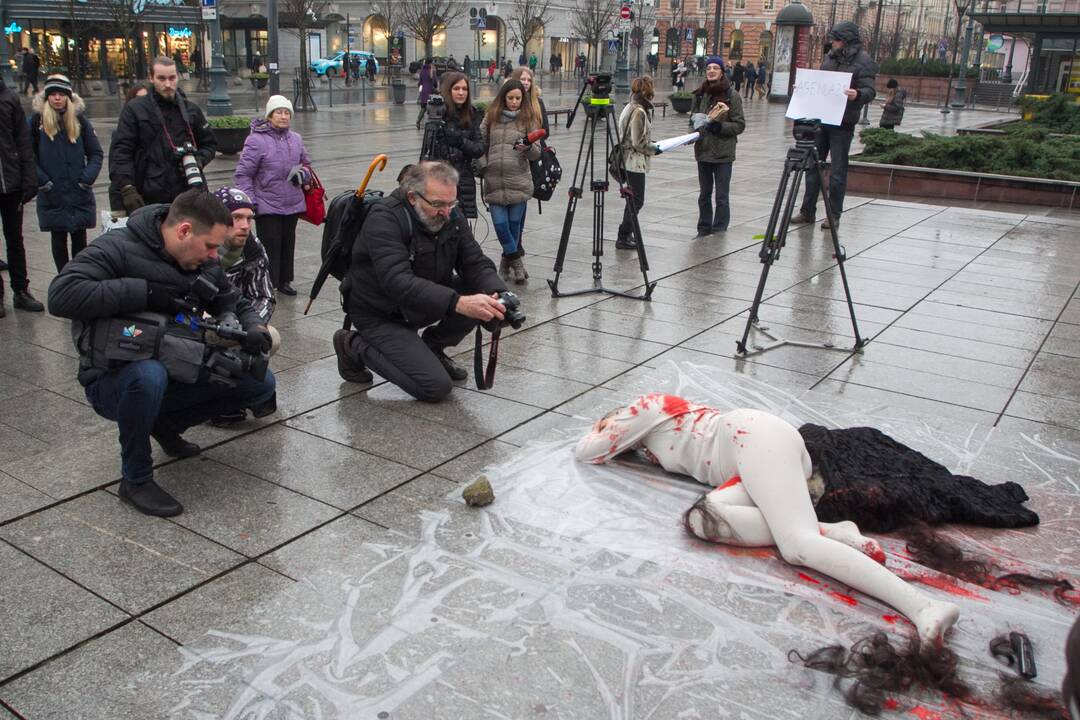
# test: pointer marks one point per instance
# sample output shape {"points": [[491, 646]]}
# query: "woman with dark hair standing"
{"points": [[508, 183], [463, 140], [893, 108], [429, 84], [717, 113], [635, 129], [69, 158]]}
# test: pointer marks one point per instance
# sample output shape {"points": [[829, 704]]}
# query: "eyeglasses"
{"points": [[438, 204]]}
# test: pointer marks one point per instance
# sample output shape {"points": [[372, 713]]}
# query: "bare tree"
{"points": [[641, 28], [303, 15], [592, 20], [527, 20], [74, 10], [424, 19]]}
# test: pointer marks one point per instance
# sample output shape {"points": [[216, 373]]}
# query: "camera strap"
{"points": [[485, 380], [165, 128]]}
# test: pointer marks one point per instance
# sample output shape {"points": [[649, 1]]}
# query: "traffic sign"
{"points": [[612, 45], [478, 23], [624, 12], [624, 25]]}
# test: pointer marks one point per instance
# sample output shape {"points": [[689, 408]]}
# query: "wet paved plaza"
{"points": [[326, 567]]}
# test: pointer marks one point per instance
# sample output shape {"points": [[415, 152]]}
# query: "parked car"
{"points": [[440, 65], [332, 66]]}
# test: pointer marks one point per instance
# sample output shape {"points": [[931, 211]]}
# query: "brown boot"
{"points": [[504, 268], [517, 269]]}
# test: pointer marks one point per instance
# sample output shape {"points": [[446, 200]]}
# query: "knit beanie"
{"points": [[234, 198], [714, 60], [57, 83], [276, 102]]}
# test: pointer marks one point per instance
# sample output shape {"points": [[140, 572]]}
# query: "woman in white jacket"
{"points": [[635, 130]]}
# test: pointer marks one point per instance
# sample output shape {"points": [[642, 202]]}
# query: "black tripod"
{"points": [[800, 159], [599, 109]]}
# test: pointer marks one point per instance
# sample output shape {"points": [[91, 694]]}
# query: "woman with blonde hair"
{"points": [[526, 77], [635, 131], [69, 158], [508, 183]]}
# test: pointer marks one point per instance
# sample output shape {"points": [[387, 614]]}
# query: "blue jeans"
{"points": [[713, 176], [508, 221], [139, 394], [834, 142]]}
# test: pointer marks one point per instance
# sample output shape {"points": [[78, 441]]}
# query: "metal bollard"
{"points": [[363, 90], [330, 86]]}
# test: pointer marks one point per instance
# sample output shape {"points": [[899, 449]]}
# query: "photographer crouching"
{"points": [[147, 359], [417, 265]]}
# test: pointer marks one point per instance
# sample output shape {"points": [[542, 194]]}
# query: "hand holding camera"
{"points": [[480, 307], [257, 340]]}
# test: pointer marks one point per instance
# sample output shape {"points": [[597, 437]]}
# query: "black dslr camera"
{"points": [[512, 314], [189, 165]]}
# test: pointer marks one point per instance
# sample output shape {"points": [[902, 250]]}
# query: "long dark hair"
{"points": [[464, 115], [525, 120]]}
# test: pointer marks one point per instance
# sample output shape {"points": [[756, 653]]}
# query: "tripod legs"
{"points": [[799, 161], [598, 187]]}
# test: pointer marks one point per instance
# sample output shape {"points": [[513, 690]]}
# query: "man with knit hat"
{"points": [[146, 149]]}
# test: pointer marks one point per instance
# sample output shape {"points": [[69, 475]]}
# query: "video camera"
{"points": [[436, 107], [600, 84], [189, 165], [805, 132], [221, 335], [512, 314], [434, 144]]}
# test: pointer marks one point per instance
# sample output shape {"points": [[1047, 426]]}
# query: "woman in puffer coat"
{"points": [[462, 138], [508, 181], [635, 130], [273, 170], [69, 158]]}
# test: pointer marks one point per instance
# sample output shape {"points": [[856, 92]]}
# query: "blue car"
{"points": [[332, 66]]}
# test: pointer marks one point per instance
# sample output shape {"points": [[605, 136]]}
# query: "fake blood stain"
{"points": [[949, 585], [733, 480], [675, 406], [844, 598], [806, 578], [925, 714], [891, 619], [891, 704]]}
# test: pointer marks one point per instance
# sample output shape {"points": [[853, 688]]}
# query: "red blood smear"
{"points": [[741, 432], [876, 553], [949, 585], [891, 704], [675, 406], [733, 480], [891, 619], [806, 578], [925, 714], [844, 598], [633, 410]]}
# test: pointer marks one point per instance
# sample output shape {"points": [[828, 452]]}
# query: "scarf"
{"points": [[718, 89], [231, 256]]}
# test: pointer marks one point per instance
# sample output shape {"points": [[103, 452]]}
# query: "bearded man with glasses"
{"points": [[417, 284]]}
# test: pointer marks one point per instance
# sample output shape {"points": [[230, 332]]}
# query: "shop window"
{"points": [[740, 4], [736, 44]]}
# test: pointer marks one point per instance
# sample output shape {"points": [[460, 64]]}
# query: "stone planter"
{"points": [[681, 105], [900, 180], [230, 140], [921, 89]]}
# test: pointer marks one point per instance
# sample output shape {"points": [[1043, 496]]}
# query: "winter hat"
{"points": [[234, 198], [714, 60], [57, 83], [276, 102]]}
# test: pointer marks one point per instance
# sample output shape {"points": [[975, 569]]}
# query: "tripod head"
{"points": [[600, 95], [806, 132]]}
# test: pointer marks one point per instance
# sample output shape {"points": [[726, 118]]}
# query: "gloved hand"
{"points": [[161, 298], [699, 120], [84, 186], [28, 194], [656, 148], [257, 340], [131, 198], [46, 187], [299, 176]]}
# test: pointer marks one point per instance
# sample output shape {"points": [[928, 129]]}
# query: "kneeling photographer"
{"points": [[416, 265], [147, 357]]}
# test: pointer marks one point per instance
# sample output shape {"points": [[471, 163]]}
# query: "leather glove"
{"points": [[699, 120], [656, 148], [46, 187], [131, 198], [161, 298], [257, 340], [28, 194], [298, 176]]}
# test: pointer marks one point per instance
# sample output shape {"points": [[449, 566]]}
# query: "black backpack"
{"points": [[546, 173], [344, 218]]}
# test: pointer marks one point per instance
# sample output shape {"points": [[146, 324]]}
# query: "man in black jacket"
{"points": [[144, 165], [846, 55], [415, 265], [147, 266], [31, 66], [18, 185]]}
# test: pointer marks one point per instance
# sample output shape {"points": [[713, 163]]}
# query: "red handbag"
{"points": [[314, 201]]}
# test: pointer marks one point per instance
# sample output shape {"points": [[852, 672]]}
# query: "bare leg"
{"points": [[728, 515], [771, 465]]}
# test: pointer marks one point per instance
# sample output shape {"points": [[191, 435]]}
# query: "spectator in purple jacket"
{"points": [[429, 85], [273, 170]]}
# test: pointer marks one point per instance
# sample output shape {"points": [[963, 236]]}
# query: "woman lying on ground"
{"points": [[766, 491]]}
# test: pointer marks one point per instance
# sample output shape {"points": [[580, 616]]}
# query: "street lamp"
{"points": [[219, 102], [877, 46], [961, 73]]}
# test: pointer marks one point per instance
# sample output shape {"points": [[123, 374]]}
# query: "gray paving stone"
{"points": [[466, 467], [482, 412], [312, 466], [17, 498], [923, 384], [55, 419], [15, 444], [72, 468], [1052, 410], [401, 509], [237, 510], [12, 387], [44, 613], [132, 560], [350, 423]]}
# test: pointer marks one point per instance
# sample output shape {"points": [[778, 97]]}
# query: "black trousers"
{"points": [[407, 359], [60, 246], [832, 142], [278, 236], [713, 177], [11, 214], [636, 181]]}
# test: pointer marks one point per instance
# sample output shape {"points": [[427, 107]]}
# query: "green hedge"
{"points": [[1028, 152], [229, 122], [931, 68], [1058, 114]]}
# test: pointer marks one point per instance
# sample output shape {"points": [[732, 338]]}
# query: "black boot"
{"points": [[23, 300], [149, 499], [267, 408], [350, 368], [2, 311], [287, 289], [229, 419], [171, 442], [455, 371]]}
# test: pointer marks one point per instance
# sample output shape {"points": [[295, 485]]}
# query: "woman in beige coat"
{"points": [[635, 130], [508, 181]]}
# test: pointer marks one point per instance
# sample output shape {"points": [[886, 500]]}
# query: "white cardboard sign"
{"points": [[819, 95]]}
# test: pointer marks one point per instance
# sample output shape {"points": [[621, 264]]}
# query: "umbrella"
{"points": [[343, 220]]}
